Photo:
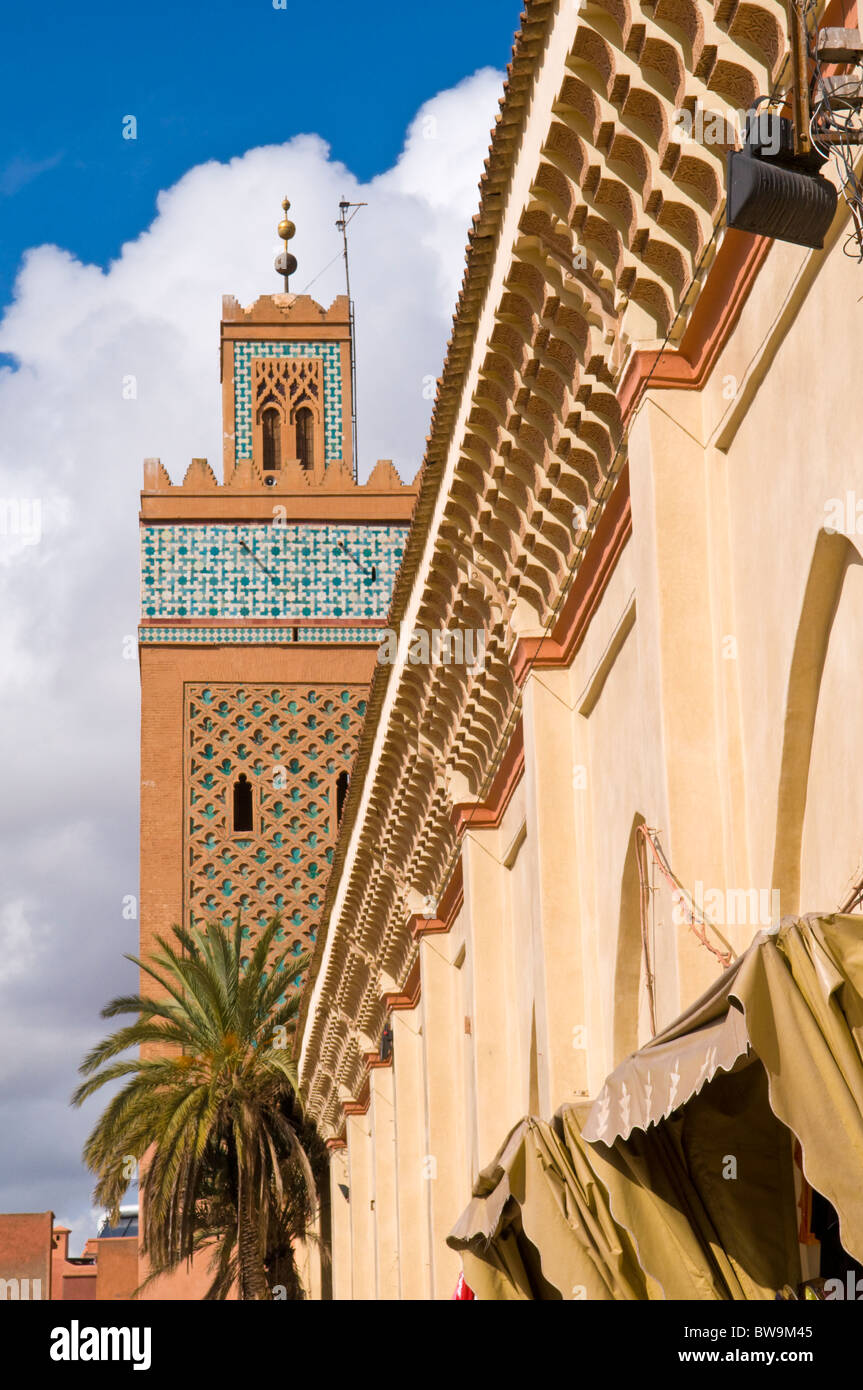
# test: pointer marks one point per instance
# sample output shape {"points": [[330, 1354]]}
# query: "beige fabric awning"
{"points": [[555, 1217], [794, 1001], [539, 1226], [678, 1181], [672, 1068]]}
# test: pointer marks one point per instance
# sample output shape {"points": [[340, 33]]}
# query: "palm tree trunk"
{"points": [[250, 1262]]}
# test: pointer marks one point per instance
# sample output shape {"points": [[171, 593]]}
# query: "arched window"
{"points": [[305, 422], [341, 792], [272, 437], [243, 815]]}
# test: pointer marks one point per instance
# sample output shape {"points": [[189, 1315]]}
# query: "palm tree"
{"points": [[211, 1105]]}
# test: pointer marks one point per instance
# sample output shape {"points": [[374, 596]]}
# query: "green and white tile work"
{"points": [[330, 353], [234, 571]]}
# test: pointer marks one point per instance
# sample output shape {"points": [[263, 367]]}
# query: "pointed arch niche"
{"points": [[244, 808], [288, 414]]}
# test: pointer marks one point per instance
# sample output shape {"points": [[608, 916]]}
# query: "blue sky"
{"points": [[206, 81]]}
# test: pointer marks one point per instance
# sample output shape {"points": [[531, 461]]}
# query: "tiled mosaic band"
{"points": [[261, 636], [333, 415], [240, 570], [370, 635]]}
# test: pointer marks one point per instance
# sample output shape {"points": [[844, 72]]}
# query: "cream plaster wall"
{"points": [[360, 1199], [411, 1149], [340, 1236], [796, 356], [444, 1173], [383, 1144]]}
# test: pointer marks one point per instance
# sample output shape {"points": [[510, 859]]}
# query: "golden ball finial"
{"points": [[287, 230], [286, 262]]}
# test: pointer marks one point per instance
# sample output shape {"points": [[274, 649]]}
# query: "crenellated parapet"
{"points": [[293, 480], [296, 309]]}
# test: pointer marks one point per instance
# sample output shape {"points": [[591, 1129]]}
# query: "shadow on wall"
{"points": [[833, 556], [630, 949]]}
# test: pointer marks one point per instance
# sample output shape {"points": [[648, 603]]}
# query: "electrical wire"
{"points": [[703, 924], [337, 257], [854, 899], [645, 892], [830, 114], [826, 117]]}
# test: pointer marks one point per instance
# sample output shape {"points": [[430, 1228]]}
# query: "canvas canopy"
{"points": [[678, 1182]]}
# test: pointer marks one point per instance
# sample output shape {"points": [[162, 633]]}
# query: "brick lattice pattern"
{"points": [[291, 741]]}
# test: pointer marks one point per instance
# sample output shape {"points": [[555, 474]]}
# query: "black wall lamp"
{"points": [[775, 192], [774, 187]]}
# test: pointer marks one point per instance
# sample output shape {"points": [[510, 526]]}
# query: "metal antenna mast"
{"points": [[343, 224]]}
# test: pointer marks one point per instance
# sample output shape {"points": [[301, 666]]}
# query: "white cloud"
{"points": [[19, 944], [68, 699]]}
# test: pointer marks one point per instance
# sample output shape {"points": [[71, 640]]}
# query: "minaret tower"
{"points": [[262, 601]]}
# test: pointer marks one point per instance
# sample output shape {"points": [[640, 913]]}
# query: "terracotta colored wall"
{"points": [[186, 1285], [117, 1268], [58, 1260], [363, 504], [81, 1287], [25, 1248]]}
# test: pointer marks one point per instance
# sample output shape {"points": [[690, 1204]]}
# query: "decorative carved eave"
{"points": [[470, 815], [406, 998], [543, 448]]}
